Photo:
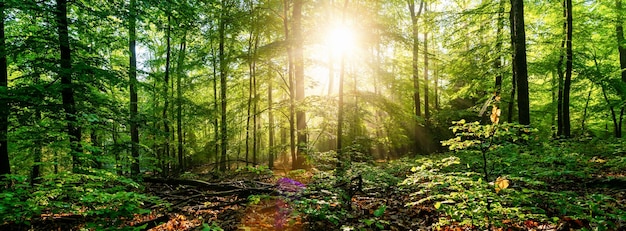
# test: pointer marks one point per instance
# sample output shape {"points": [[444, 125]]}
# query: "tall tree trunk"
{"points": [[340, 111], [416, 86], [67, 92], [561, 75], [298, 53], [511, 105], [179, 100], [223, 86], [166, 80], [519, 58], [134, 130], [270, 111], [497, 63], [292, 89], [216, 135], [426, 81], [255, 102], [5, 166], [568, 72], [621, 47]]}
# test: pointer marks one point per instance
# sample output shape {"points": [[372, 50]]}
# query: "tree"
{"points": [[5, 166], [67, 92], [223, 72], [134, 130], [298, 53], [519, 61]]}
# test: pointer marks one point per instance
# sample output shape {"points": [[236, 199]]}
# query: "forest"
{"points": [[345, 115]]}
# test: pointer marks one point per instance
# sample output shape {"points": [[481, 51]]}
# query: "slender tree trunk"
{"points": [[340, 111], [67, 92], [179, 101], [223, 87], [561, 75], [298, 53], [619, 29], [36, 171], [416, 86], [497, 63], [216, 135], [582, 124], [426, 81], [255, 102], [166, 81], [134, 130], [519, 58], [621, 47], [270, 111], [513, 69], [249, 106], [292, 89], [5, 166], [568, 72]]}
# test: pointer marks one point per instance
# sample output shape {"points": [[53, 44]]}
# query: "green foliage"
{"points": [[212, 227], [107, 197], [546, 184], [256, 170]]}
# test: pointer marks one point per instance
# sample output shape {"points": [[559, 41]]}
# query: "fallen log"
{"points": [[198, 183]]}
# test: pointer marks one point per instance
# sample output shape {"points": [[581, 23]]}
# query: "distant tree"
{"points": [[132, 73], [5, 166]]}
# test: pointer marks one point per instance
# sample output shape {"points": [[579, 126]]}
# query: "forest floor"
{"points": [[377, 206], [552, 189]]}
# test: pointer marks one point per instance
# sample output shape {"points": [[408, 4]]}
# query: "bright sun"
{"points": [[341, 38]]}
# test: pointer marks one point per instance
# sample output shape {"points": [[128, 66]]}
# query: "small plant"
{"points": [[212, 227]]}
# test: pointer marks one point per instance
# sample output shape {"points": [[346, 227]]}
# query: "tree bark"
{"points": [[134, 130], [519, 58], [416, 86], [270, 112], [621, 47], [223, 86], [5, 166], [166, 80], [292, 89], [567, 83], [179, 101], [298, 54], [67, 92]]}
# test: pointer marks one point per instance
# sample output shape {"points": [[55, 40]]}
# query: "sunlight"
{"points": [[341, 38]]}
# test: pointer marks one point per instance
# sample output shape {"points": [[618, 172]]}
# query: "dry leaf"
{"points": [[501, 183]]}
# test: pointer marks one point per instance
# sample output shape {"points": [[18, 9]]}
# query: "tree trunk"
{"points": [[166, 80], [134, 130], [292, 89], [497, 63], [582, 124], [519, 58], [223, 87], [561, 75], [67, 92], [179, 100], [426, 82], [255, 103], [298, 53], [568, 71], [416, 86], [621, 47], [5, 166], [270, 111]]}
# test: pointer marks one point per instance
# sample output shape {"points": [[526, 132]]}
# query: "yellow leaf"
{"points": [[501, 183]]}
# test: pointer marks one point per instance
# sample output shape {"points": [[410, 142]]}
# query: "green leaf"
{"points": [[380, 211]]}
